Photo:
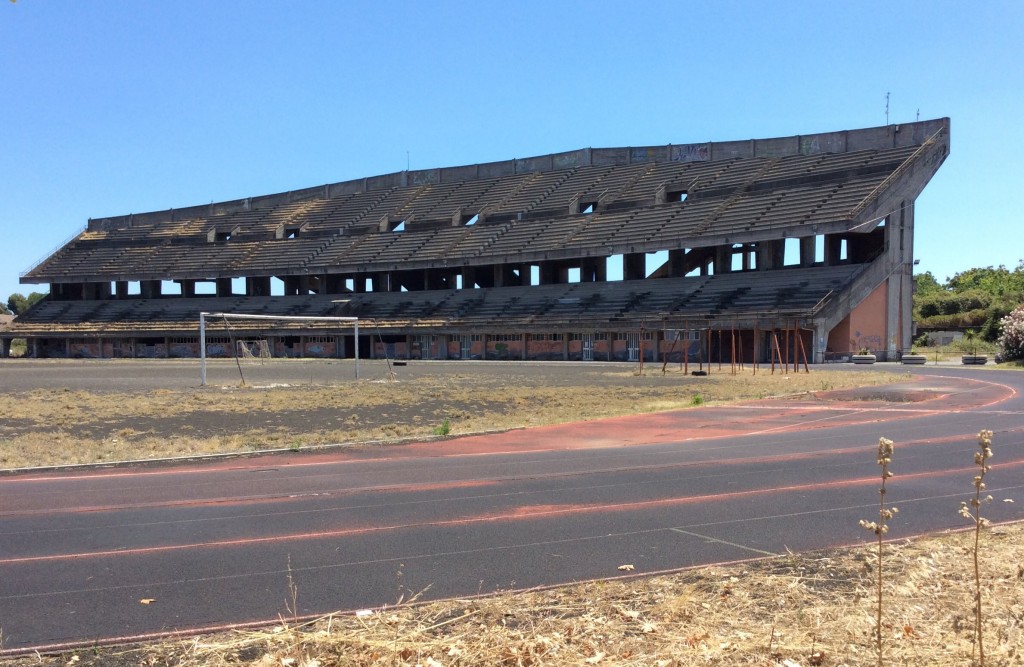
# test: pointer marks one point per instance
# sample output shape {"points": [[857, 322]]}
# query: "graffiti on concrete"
{"points": [[691, 153]]}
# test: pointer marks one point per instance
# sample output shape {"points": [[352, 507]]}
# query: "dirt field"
{"points": [[72, 412]]}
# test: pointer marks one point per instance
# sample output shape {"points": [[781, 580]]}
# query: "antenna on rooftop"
{"points": [[918, 115], [887, 108], [407, 160]]}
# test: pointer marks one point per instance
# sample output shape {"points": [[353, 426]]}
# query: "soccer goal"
{"points": [[260, 338]]}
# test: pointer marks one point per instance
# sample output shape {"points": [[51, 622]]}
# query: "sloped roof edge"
{"points": [[842, 141]]}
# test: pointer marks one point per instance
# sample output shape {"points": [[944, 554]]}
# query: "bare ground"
{"points": [[74, 413]]}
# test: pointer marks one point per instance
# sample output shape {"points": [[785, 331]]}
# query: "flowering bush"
{"points": [[1011, 341]]}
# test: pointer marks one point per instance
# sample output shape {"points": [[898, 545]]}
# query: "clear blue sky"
{"points": [[121, 106]]}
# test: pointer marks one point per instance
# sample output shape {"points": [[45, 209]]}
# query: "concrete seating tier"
{"points": [[529, 211], [591, 305]]}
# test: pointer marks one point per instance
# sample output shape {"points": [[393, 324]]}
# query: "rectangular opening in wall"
{"points": [[843, 251], [238, 285], [587, 208], [653, 261], [399, 226], [458, 281], [574, 274], [170, 287], [470, 221], [206, 288], [534, 275], [276, 286], [819, 249], [791, 253], [134, 288], [736, 258], [616, 267], [675, 195]]}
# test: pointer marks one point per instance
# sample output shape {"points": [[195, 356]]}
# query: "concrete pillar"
{"points": [[806, 251], [594, 270], [256, 286], [833, 247], [723, 260], [634, 266], [121, 289], [5, 348], [899, 249], [151, 289], [770, 255], [548, 273]]}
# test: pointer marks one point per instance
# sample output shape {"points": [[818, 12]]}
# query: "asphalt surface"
{"points": [[129, 553]]}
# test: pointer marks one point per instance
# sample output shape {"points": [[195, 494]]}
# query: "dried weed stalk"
{"points": [[973, 512], [880, 528]]}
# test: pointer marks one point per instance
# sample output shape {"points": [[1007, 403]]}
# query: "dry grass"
{"points": [[812, 609], [57, 426]]}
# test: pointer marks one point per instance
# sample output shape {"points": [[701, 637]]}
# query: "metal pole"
{"points": [[202, 348]]}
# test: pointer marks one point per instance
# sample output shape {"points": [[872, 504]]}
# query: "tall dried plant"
{"points": [[880, 528], [972, 512]]}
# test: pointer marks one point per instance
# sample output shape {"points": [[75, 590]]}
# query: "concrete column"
{"points": [[806, 251], [723, 260], [5, 348], [257, 286], [833, 247], [899, 249], [121, 289], [634, 266], [770, 255], [151, 289]]}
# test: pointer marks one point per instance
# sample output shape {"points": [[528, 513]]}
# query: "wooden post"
{"points": [[719, 346], [754, 346], [803, 352], [785, 356], [732, 335], [685, 363]]}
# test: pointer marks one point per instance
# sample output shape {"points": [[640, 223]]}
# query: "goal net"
{"points": [[256, 350], [277, 349]]}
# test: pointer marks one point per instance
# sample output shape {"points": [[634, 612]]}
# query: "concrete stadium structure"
{"points": [[710, 249]]}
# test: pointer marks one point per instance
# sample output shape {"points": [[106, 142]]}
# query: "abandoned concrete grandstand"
{"points": [[615, 253]]}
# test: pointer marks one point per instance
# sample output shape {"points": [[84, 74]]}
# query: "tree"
{"points": [[978, 298], [18, 303], [4, 310], [926, 284]]}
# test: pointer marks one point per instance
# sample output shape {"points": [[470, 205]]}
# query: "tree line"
{"points": [[975, 299], [19, 303]]}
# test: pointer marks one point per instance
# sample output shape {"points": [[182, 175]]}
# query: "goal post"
{"points": [[204, 316]]}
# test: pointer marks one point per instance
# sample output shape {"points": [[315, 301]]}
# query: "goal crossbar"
{"points": [[243, 316]]}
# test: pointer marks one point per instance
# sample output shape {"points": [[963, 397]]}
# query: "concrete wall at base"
{"points": [[864, 327]]}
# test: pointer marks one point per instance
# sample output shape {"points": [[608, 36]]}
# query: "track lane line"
{"points": [[519, 514]]}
